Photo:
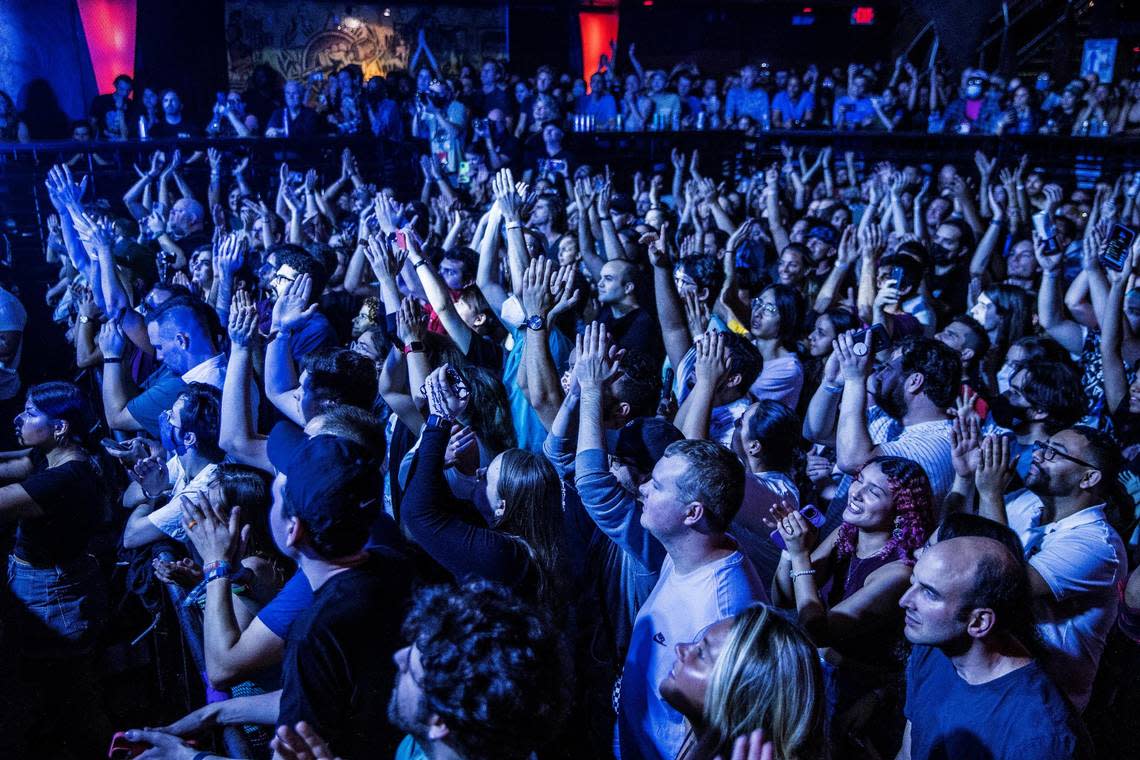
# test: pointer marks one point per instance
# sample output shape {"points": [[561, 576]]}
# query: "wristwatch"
{"points": [[414, 346], [84, 319], [438, 422], [535, 322]]}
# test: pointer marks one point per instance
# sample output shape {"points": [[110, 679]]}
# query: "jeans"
{"points": [[60, 609]]}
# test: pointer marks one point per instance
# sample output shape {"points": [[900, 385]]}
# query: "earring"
{"points": [[897, 532], [501, 509]]}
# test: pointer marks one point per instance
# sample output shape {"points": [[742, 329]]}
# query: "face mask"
{"points": [[1004, 376], [171, 440], [941, 253], [973, 91], [1006, 414]]}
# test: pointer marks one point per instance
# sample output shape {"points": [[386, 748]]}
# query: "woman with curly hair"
{"points": [[752, 671], [846, 590]]}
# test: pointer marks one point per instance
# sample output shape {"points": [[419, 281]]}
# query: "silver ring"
{"points": [[859, 349]]}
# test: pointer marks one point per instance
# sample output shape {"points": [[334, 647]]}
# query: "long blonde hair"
{"points": [[767, 676]]}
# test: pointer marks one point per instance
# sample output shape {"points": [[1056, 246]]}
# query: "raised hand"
{"points": [[151, 475], [507, 195], [294, 306], [462, 451], [798, 533], [229, 254], [537, 298], [712, 359], [965, 446], [243, 321], [385, 259], [218, 537], [214, 156], [411, 321], [565, 294], [112, 341], [605, 195], [985, 165], [995, 467], [597, 366], [854, 364], [446, 393]]}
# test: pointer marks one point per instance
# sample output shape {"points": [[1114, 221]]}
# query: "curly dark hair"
{"points": [[913, 504], [939, 365], [495, 670]]}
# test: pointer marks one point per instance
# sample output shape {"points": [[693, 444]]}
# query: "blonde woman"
{"points": [[753, 671]]}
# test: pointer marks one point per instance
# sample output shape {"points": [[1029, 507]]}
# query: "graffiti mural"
{"points": [[320, 37]]}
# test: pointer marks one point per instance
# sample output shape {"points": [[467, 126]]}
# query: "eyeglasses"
{"points": [[1049, 452], [764, 308], [279, 276]]}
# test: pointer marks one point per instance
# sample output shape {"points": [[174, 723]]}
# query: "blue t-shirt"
{"points": [[529, 429], [1017, 716], [850, 112], [790, 111], [316, 332], [283, 609], [161, 389]]}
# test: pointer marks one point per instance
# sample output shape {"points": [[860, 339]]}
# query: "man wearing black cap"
{"points": [[338, 656]]}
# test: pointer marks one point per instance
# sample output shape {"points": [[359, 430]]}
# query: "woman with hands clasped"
{"points": [[523, 545], [846, 590]]}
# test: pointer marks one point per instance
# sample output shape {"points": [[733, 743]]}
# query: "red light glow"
{"points": [[109, 26], [862, 15]]}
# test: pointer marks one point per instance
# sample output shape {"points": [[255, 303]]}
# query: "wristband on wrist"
{"points": [[112, 360], [833, 389], [413, 347], [797, 573], [513, 225], [215, 570]]}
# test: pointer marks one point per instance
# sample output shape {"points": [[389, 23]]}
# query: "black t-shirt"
{"points": [[636, 330], [71, 498], [183, 128], [338, 670], [483, 102]]}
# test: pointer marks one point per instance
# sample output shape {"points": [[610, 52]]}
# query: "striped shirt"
{"points": [[927, 443]]}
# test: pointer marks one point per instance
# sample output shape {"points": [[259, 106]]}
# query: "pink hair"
{"points": [[913, 503]]}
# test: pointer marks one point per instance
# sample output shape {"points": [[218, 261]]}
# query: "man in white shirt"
{"points": [[685, 507], [1077, 560], [189, 432]]}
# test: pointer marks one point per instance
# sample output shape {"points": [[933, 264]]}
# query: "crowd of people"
{"points": [[837, 458], [486, 103]]}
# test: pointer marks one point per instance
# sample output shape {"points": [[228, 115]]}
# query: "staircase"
{"points": [[1043, 35]]}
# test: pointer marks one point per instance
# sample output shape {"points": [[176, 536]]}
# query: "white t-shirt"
{"points": [[1082, 559], [677, 611], [168, 517], [781, 380]]}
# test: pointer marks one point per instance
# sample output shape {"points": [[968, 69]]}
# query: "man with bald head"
{"points": [[628, 324], [974, 688]]}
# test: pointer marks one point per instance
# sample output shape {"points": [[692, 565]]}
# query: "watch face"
{"points": [[534, 322]]}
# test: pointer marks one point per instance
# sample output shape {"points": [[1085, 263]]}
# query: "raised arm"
{"points": [[546, 293], [1114, 375], [237, 434], [509, 202], [1049, 299], [290, 311], [440, 298], [670, 310], [853, 444], [230, 652], [614, 511]]}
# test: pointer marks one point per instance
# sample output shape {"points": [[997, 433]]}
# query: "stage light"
{"points": [[387, 13], [862, 15]]}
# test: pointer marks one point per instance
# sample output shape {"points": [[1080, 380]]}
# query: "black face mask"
{"points": [[941, 254], [1007, 414]]}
